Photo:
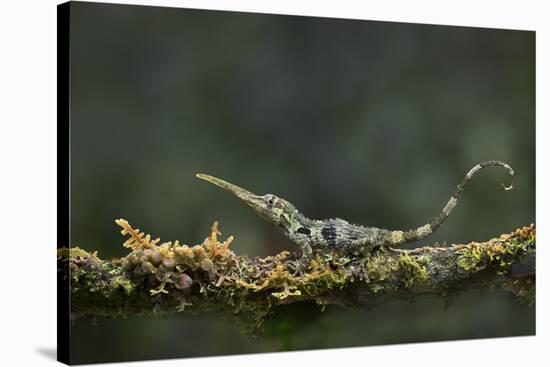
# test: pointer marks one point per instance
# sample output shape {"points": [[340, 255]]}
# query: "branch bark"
{"points": [[165, 278]]}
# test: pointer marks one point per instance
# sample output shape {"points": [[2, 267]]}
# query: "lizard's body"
{"points": [[335, 234], [338, 234]]}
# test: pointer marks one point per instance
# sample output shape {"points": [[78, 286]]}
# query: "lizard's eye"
{"points": [[270, 199]]}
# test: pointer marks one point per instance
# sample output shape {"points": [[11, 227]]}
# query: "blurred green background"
{"points": [[375, 122]]}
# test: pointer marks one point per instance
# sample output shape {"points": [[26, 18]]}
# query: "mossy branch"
{"points": [[168, 277]]}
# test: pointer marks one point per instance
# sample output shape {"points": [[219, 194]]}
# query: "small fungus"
{"points": [[183, 281], [207, 265], [155, 257], [168, 262], [147, 267]]}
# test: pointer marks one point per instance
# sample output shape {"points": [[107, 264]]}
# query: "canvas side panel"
{"points": [[63, 169]]}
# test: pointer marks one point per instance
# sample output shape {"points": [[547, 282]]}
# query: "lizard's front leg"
{"points": [[301, 265]]}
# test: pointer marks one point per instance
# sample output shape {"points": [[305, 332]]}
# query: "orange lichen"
{"points": [[138, 239], [214, 247]]}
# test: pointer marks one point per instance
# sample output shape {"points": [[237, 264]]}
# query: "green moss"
{"points": [[475, 257], [471, 258], [412, 271], [518, 246], [322, 282], [73, 253], [121, 282], [379, 267]]}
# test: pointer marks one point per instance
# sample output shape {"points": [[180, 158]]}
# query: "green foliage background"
{"points": [[375, 122]]}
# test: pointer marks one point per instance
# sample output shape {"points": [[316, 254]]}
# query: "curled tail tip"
{"points": [[512, 173], [496, 163], [508, 187], [513, 183]]}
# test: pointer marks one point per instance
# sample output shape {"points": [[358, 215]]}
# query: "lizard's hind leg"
{"points": [[370, 239], [360, 247], [378, 238]]}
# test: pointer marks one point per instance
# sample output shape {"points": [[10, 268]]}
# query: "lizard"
{"points": [[338, 234]]}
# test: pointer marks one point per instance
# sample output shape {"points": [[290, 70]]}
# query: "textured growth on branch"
{"points": [[161, 278]]}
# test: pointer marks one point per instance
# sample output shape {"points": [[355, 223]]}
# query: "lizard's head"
{"points": [[274, 209]]}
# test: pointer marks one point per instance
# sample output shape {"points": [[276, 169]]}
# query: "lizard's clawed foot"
{"points": [[298, 268]]}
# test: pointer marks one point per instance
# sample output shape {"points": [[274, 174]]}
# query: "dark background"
{"points": [[375, 122]]}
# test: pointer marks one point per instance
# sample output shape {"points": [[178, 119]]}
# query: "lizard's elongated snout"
{"points": [[254, 201], [238, 191]]}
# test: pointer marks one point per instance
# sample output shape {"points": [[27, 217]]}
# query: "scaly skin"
{"points": [[338, 234]]}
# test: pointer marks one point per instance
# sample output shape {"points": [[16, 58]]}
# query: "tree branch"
{"points": [[166, 278]]}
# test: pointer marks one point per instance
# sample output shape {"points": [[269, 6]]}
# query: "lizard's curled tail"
{"points": [[400, 237]]}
